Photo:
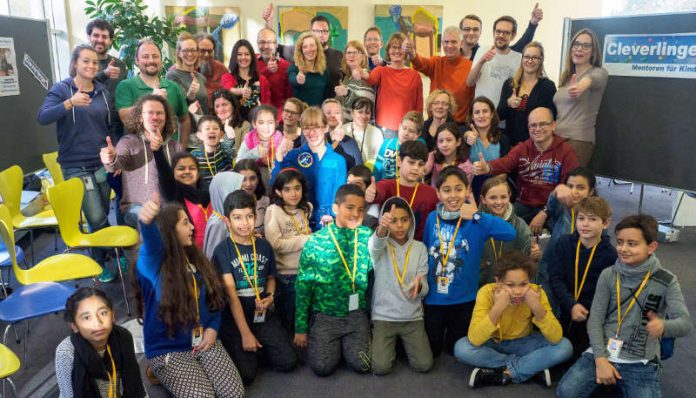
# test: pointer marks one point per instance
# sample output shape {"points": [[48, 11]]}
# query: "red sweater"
{"points": [[449, 75], [423, 204], [229, 82], [538, 173], [212, 82], [278, 82], [400, 91]]}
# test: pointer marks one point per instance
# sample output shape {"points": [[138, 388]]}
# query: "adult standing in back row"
{"points": [[579, 94]]}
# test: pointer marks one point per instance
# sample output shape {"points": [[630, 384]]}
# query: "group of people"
{"points": [[297, 199]]}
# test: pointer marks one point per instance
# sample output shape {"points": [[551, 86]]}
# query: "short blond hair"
{"points": [[313, 117], [431, 98]]}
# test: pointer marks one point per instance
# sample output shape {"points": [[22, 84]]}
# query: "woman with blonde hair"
{"points": [[579, 94], [309, 76], [441, 107], [529, 88], [352, 86]]}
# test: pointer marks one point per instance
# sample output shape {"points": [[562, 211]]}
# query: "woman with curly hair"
{"points": [[309, 76]]}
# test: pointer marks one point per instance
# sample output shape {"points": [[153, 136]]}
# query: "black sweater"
{"points": [[515, 120]]}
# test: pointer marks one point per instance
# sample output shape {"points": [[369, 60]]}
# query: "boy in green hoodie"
{"points": [[331, 285]]}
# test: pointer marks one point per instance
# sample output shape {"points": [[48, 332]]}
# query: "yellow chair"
{"points": [[9, 365], [51, 162], [66, 200], [370, 164], [57, 268], [11, 182]]}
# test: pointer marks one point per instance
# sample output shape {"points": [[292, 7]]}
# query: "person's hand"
{"points": [[468, 207], [208, 341], [535, 250], [573, 89], [537, 223], [579, 313], [150, 209], [325, 220], [264, 303], [263, 149], [249, 342], [377, 60], [533, 299], [300, 340], [267, 13], [156, 141], [341, 90], [472, 135], [481, 166], [283, 149], [606, 372], [408, 49], [501, 296], [195, 108], [513, 101], [387, 218], [160, 91], [488, 55], [272, 64], [193, 88], [80, 99], [356, 73], [246, 91], [113, 71], [337, 134], [564, 195], [300, 77], [656, 325], [537, 15], [108, 153], [371, 191], [416, 286]]}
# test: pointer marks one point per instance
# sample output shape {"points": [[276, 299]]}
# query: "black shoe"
{"points": [[544, 377], [485, 376]]}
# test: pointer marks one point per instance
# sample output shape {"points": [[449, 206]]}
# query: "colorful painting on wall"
{"points": [[293, 21], [421, 24], [220, 22]]}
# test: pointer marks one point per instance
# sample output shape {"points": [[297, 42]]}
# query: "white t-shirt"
{"points": [[495, 72]]}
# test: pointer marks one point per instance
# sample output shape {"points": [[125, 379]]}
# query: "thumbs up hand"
{"points": [[150, 209], [246, 93], [356, 73], [537, 15], [371, 191], [341, 90], [468, 207], [472, 135], [655, 326], [272, 64], [387, 218], [80, 98], [113, 70], [300, 77], [377, 60], [573, 89], [488, 55], [193, 88], [108, 153], [513, 101], [267, 13], [155, 139], [408, 49], [481, 167]]}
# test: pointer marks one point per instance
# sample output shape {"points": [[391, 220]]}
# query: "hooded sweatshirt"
{"points": [[281, 230], [82, 130], [391, 302], [538, 173], [522, 242], [670, 306], [222, 185]]}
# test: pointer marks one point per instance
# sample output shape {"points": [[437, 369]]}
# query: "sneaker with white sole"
{"points": [[545, 376], [486, 376]]}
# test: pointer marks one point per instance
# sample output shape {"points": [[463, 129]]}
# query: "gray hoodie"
{"points": [[222, 185], [390, 302], [661, 295]]}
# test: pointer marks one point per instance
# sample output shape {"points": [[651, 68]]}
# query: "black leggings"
{"points": [[445, 324]]}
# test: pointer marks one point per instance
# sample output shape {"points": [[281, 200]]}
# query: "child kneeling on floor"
{"points": [[502, 343], [636, 303]]}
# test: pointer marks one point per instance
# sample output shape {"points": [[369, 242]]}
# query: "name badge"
{"points": [[259, 316], [196, 336], [443, 283], [353, 302], [614, 348]]}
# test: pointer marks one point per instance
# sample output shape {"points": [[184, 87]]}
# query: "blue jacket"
{"points": [[148, 270], [385, 163], [81, 131], [323, 177], [464, 261], [559, 222]]}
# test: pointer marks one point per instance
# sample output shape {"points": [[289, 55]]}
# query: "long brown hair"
{"points": [[134, 122], [177, 309], [493, 134], [356, 44], [595, 60]]}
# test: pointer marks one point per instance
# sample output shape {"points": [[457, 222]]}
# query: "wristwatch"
{"points": [[476, 217]]}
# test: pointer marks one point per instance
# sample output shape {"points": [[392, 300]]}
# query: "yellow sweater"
{"points": [[515, 322]]}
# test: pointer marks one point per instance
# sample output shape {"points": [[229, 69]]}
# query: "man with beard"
{"points": [[499, 63], [471, 26], [209, 67], [148, 59], [275, 69]]}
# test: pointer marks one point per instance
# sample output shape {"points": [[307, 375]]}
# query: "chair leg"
{"points": [[123, 282], [26, 337], [55, 239], [2, 283], [31, 244], [12, 386]]}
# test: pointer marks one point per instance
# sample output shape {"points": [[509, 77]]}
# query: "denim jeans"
{"points": [[637, 380], [285, 301], [95, 204], [523, 357]]}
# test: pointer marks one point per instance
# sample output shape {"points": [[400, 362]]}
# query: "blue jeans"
{"points": [[523, 357], [637, 380], [95, 204]]}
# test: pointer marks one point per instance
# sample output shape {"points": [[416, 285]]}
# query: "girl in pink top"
{"points": [[451, 150]]}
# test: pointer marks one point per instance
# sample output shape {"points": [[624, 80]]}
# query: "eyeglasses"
{"points": [[353, 53], [504, 33], [320, 31], [189, 51], [313, 129], [292, 113], [531, 58], [266, 42], [578, 45], [540, 125], [205, 51]]}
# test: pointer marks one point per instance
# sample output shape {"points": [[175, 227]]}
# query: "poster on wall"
{"points": [[651, 55], [421, 24], [9, 81], [223, 23], [293, 20]]}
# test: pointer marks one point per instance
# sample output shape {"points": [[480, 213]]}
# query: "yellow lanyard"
{"points": [[255, 284], [298, 227], [400, 276], [396, 164], [578, 289], [355, 256], [444, 256], [572, 220], [413, 195], [112, 376], [219, 215], [204, 210], [210, 167], [620, 316], [499, 253], [196, 294]]}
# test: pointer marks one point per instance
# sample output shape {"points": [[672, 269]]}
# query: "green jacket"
{"points": [[323, 284]]}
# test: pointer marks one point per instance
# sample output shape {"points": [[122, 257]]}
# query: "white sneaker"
{"points": [[547, 378]]}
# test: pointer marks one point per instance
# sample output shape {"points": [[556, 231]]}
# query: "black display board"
{"points": [[646, 128], [22, 139]]}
